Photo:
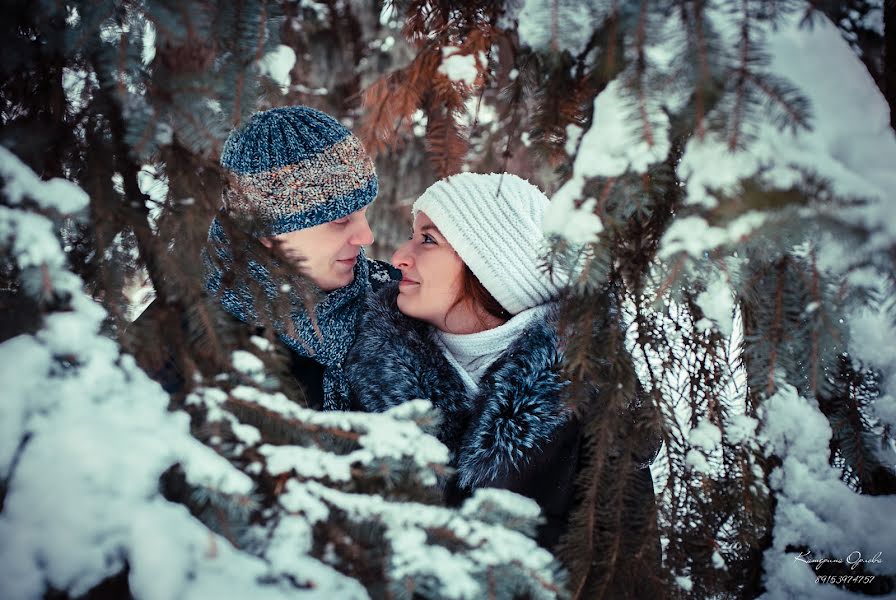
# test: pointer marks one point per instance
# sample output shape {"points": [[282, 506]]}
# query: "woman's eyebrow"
{"points": [[430, 227]]}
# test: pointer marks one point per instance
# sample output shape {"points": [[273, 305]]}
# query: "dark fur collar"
{"points": [[516, 412]]}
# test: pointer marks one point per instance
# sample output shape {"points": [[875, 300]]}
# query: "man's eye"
{"points": [[340, 221]]}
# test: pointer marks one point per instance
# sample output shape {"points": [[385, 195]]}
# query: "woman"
{"points": [[472, 327]]}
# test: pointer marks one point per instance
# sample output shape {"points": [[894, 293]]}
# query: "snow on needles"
{"points": [[451, 574], [561, 24], [851, 143], [86, 436], [815, 509], [58, 194], [610, 147]]}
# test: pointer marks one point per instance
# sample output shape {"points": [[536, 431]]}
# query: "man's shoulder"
{"points": [[381, 273]]}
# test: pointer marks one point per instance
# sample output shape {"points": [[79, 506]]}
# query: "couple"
{"points": [[471, 325]]}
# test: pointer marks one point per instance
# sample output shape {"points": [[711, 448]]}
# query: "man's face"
{"points": [[325, 253]]}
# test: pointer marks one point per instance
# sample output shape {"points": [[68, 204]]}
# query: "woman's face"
{"points": [[432, 280]]}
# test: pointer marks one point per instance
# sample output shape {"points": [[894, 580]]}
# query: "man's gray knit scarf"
{"points": [[337, 315]]}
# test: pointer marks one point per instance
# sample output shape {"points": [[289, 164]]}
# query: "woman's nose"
{"points": [[402, 258]]}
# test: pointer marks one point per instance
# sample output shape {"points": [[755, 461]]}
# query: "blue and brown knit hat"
{"points": [[293, 168]]}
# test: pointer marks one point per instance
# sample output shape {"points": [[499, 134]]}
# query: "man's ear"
{"points": [[266, 242]]}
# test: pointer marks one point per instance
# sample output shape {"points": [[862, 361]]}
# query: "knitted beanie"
{"points": [[494, 222], [292, 168]]}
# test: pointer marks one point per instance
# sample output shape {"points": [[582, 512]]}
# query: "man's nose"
{"points": [[402, 258], [362, 235]]}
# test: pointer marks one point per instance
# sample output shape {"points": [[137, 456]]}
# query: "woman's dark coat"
{"points": [[514, 433]]}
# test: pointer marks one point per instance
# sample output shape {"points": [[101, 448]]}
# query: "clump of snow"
{"points": [[740, 429], [164, 134], [508, 502], [573, 135], [717, 304], [503, 507], [610, 147], [872, 332], [694, 236], [458, 67], [613, 144], [261, 343], [685, 582], [551, 24], [308, 462], [697, 461], [851, 143], [58, 194], [33, 241], [815, 509], [578, 225], [248, 364], [277, 64], [705, 435], [452, 574]]}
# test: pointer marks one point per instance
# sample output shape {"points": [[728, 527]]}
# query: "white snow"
{"points": [[872, 334], [611, 146], [697, 461], [411, 554], [578, 225], [91, 435], [248, 364], [851, 143], [705, 435], [20, 182], [563, 24], [815, 508], [573, 135], [740, 429], [717, 303], [695, 236], [277, 64], [457, 67], [614, 143]]}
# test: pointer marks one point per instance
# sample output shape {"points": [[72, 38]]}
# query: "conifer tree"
{"points": [[232, 485], [721, 178]]}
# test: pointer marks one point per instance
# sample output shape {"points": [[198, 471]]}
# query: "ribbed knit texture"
{"points": [[471, 354], [292, 168], [493, 221]]}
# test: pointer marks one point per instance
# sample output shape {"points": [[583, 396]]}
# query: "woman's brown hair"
{"points": [[474, 292]]}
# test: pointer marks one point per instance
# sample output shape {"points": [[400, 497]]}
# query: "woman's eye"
{"points": [[428, 239]]}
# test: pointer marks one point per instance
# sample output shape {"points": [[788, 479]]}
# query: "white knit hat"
{"points": [[493, 221]]}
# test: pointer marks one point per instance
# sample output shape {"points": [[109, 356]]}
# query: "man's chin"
{"points": [[334, 283]]}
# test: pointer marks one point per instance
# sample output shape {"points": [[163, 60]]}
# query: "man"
{"points": [[299, 183]]}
